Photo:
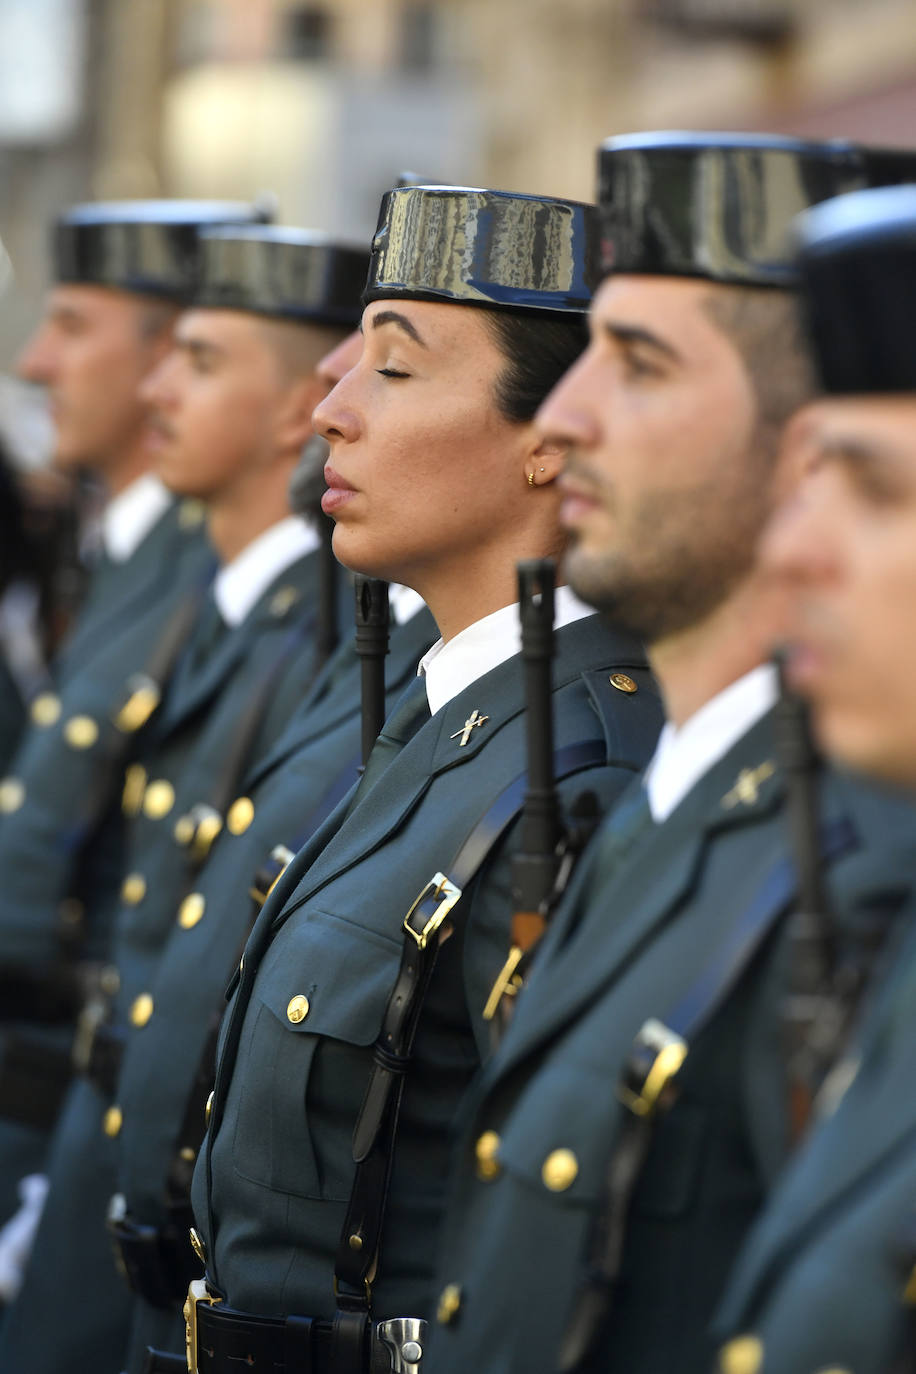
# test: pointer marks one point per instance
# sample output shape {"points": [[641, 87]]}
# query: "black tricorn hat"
{"points": [[146, 246], [857, 264], [484, 248], [720, 205], [292, 274]]}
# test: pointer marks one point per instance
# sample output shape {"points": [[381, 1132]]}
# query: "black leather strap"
{"points": [[426, 927], [648, 1090]]}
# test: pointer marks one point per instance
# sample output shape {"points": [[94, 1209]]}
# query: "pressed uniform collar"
{"points": [[685, 754], [240, 584], [128, 517], [449, 668]]}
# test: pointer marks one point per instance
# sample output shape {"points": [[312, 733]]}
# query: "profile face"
{"points": [[211, 402], [91, 351], [844, 546], [664, 490], [424, 468]]}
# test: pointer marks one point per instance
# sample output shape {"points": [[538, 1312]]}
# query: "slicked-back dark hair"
{"points": [[538, 350]]}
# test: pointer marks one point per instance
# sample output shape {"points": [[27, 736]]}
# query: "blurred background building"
{"points": [[324, 103]]}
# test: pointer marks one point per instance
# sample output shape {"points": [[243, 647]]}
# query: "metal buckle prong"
{"points": [[664, 1051], [441, 890]]}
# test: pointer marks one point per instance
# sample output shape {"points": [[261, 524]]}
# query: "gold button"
{"points": [[298, 1009], [488, 1166], [81, 732], [141, 1010], [622, 682], [184, 831], [133, 889], [191, 514], [12, 795], [112, 1121], [197, 1246], [158, 799], [559, 1171], [187, 1154], [282, 600], [449, 1304], [191, 910], [208, 1108], [355, 1241], [138, 707], [241, 814], [46, 709], [743, 1355], [134, 787], [208, 827]]}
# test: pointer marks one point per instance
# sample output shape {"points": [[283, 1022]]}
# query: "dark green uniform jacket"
{"points": [[314, 762], [267, 662], [826, 1277], [60, 831], [628, 943], [270, 1198]]}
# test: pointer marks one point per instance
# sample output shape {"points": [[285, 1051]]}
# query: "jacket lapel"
{"points": [[875, 1116], [290, 596], [655, 876]]}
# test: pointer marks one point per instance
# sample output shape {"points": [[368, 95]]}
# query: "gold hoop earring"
{"points": [[531, 479]]}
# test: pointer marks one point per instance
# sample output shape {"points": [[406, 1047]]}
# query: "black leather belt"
{"points": [[225, 1341], [157, 1261]]}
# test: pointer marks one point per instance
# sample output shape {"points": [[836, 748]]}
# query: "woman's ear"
{"points": [[545, 463]]}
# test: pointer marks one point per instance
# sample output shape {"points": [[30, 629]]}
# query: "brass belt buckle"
{"points": [[440, 890], [197, 1292], [653, 1064]]}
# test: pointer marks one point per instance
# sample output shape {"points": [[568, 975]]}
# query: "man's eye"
{"points": [[390, 372], [637, 366]]}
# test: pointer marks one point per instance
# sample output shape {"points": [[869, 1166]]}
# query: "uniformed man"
{"points": [[231, 409], [121, 272], [347, 1039], [825, 1280], [587, 1229]]}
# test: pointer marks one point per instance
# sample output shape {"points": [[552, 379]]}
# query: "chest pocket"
{"points": [[555, 1143], [304, 1055]]}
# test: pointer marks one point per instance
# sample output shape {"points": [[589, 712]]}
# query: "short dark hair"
{"points": [[538, 350], [765, 325]]}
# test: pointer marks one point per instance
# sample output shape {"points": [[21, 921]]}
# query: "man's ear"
{"points": [[545, 463], [798, 451], [293, 427]]}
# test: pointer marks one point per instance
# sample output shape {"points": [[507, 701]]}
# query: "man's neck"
{"points": [[697, 664], [124, 468], [231, 528]]}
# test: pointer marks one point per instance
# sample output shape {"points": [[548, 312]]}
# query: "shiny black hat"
{"points": [[147, 246], [294, 274], [720, 205], [485, 248], [857, 265]]}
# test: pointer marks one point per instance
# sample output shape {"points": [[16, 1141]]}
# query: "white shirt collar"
{"points": [[128, 517], [684, 755], [404, 602], [449, 668], [239, 584]]}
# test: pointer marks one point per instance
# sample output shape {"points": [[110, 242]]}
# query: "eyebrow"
{"points": [[198, 348], [628, 335], [395, 317], [852, 452]]}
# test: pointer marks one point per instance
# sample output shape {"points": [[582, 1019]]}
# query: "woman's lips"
{"points": [[339, 491]]}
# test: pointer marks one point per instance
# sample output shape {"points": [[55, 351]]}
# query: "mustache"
{"points": [[156, 421], [578, 471]]}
